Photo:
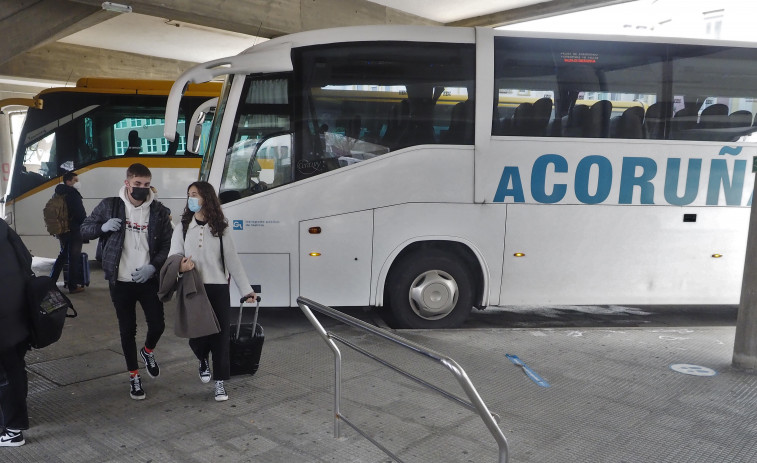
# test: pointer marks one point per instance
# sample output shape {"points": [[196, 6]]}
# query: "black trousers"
{"points": [[217, 344], [14, 387], [70, 251], [125, 296]]}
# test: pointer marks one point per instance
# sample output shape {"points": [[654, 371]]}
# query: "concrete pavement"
{"points": [[613, 397]]}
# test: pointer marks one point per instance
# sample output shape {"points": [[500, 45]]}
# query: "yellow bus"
{"points": [[87, 129]]}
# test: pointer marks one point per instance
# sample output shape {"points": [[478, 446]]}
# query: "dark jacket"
{"points": [[194, 314], [158, 234], [16, 265], [76, 212]]}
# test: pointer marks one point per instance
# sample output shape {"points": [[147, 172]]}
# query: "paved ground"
{"points": [[613, 396]]}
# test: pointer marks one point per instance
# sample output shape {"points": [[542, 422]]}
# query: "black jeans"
{"points": [[218, 343], [125, 296], [14, 387], [70, 251]]}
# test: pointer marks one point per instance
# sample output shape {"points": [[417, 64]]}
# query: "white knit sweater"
{"points": [[205, 250]]}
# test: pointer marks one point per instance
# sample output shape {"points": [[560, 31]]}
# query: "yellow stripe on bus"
{"points": [[151, 162]]}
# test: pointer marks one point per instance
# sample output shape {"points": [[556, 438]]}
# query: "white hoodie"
{"points": [[136, 250]]}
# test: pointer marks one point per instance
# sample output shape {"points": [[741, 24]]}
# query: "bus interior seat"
{"points": [[502, 120], [598, 124], [460, 125], [713, 118], [418, 130], [741, 122], [522, 119], [396, 124], [654, 122], [573, 124], [542, 115], [637, 111], [740, 119], [683, 122], [629, 124], [532, 119]]}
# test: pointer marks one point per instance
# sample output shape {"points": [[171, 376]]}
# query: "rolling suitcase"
{"points": [[84, 278], [246, 343]]}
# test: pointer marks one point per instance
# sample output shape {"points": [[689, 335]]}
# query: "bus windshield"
{"points": [[77, 129]]}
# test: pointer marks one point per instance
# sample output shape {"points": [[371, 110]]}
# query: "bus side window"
{"points": [[373, 98]]}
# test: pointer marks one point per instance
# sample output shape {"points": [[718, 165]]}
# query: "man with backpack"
{"points": [[135, 230], [64, 214]]}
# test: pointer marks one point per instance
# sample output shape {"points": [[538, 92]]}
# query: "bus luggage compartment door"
{"points": [[335, 259]]}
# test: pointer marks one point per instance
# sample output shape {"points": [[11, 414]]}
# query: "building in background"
{"points": [[700, 19]]}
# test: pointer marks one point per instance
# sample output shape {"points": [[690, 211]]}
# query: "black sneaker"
{"points": [[150, 364], [136, 393], [11, 439], [221, 394], [204, 371]]}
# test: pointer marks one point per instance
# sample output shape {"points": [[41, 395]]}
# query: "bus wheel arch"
{"points": [[433, 284]]}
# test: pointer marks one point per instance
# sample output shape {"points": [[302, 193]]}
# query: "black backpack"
{"points": [[48, 309]]}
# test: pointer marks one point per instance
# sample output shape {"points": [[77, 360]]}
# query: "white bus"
{"points": [[432, 170], [86, 128]]}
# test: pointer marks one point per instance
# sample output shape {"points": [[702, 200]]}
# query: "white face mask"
{"points": [[77, 185]]}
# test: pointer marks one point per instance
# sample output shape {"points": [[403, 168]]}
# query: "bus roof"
{"points": [[420, 33]]}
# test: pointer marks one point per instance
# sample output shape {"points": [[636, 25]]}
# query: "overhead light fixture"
{"points": [[116, 7]]}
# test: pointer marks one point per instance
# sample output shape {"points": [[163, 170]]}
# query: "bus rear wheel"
{"points": [[430, 291]]}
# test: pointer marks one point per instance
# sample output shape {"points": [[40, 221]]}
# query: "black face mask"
{"points": [[139, 194]]}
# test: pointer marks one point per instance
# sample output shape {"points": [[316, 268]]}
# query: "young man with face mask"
{"points": [[71, 241], [138, 230]]}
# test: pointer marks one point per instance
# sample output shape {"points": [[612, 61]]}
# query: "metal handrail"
{"points": [[476, 403]]}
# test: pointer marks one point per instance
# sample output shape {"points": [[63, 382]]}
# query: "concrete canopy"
{"points": [[35, 30]]}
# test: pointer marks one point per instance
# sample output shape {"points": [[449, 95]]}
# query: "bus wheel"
{"points": [[430, 291]]}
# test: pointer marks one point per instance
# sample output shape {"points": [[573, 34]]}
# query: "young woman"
{"points": [[199, 240]]}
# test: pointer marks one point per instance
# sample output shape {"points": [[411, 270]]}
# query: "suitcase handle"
{"points": [[254, 319]]}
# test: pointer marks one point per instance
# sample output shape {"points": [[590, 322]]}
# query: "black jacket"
{"points": [[16, 266], [159, 234], [76, 212]]}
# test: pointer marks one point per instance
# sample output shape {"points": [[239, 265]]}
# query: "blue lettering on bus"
{"points": [[672, 176], [604, 179], [732, 150], [637, 174], [719, 176], [629, 179], [539, 179], [510, 175]]}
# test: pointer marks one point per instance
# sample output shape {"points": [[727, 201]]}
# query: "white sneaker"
{"points": [[221, 394], [13, 438], [204, 371], [136, 392]]}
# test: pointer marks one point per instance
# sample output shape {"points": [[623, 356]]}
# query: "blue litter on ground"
{"points": [[528, 371]]}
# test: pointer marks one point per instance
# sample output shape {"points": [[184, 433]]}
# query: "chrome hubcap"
{"points": [[433, 294]]}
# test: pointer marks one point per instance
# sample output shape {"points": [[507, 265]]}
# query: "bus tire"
{"points": [[430, 291]]}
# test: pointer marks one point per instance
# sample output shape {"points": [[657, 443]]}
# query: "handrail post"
{"points": [[476, 402], [337, 366]]}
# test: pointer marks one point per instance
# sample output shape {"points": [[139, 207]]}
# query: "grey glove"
{"points": [[111, 225], [143, 273]]}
